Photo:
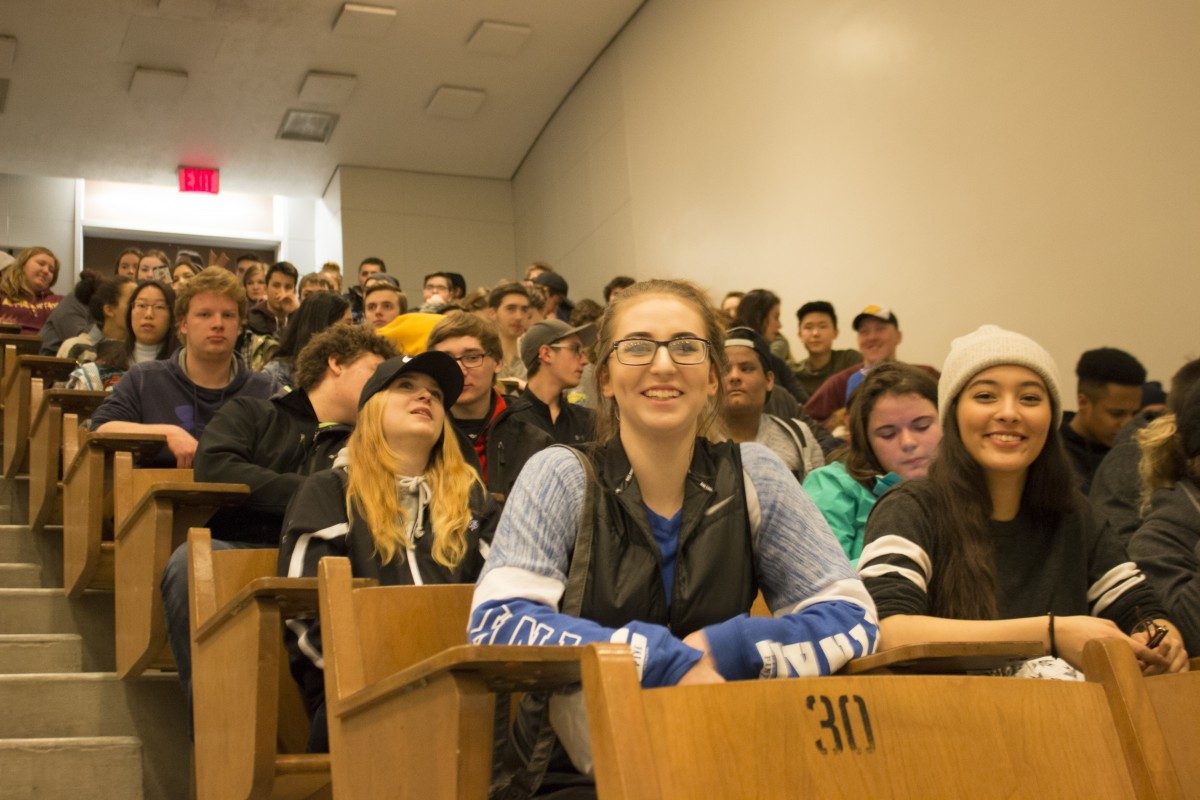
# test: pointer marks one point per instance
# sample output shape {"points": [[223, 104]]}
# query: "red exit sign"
{"points": [[199, 179]]}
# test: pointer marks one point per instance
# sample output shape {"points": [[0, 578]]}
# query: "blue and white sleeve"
{"points": [[518, 594], [824, 616]]}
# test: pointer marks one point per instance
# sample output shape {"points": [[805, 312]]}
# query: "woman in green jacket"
{"points": [[894, 433]]}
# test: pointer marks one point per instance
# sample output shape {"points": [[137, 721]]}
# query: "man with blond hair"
{"points": [[176, 397]]}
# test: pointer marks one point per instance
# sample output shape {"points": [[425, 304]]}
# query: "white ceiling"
{"points": [[70, 112]]}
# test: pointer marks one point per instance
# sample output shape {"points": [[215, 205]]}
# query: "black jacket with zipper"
{"points": [[271, 446]]}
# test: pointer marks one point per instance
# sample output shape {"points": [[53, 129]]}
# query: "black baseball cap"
{"points": [[442, 368], [742, 336]]}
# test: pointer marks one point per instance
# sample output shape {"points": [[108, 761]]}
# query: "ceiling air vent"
{"points": [[307, 126]]}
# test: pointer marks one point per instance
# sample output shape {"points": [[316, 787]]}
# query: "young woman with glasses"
{"points": [[150, 320], [660, 536]]}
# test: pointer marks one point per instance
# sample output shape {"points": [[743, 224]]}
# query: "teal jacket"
{"points": [[845, 503]]}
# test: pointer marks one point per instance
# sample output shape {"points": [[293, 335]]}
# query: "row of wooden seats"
{"points": [[120, 524], [411, 709]]}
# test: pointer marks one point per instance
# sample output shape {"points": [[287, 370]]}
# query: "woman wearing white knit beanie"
{"points": [[996, 543]]}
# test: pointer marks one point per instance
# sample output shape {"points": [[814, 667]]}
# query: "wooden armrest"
{"points": [[11, 328], [946, 657], [189, 493], [22, 341], [184, 493], [73, 401], [47, 366], [136, 443], [502, 668], [297, 597]]}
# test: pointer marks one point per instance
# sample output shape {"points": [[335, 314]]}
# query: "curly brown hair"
{"points": [[344, 343]]}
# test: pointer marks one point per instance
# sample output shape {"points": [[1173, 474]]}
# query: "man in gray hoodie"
{"points": [[176, 397]]}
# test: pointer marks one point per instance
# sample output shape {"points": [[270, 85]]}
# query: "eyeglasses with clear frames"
{"points": [[638, 352], [576, 349], [156, 308]]}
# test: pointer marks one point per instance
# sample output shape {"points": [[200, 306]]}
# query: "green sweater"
{"points": [[845, 503]]}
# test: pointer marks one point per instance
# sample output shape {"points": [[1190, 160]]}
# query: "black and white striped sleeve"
{"points": [[1117, 588], [895, 564]]}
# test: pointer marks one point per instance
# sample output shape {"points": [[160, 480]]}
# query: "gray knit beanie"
{"points": [[992, 346]]}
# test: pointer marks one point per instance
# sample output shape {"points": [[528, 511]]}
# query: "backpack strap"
{"points": [[805, 442], [522, 751]]}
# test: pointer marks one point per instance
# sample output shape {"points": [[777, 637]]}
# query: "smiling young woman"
{"points": [[26, 296], [681, 533], [894, 434], [995, 543]]}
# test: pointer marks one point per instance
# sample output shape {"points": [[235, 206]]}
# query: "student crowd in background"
{"points": [[960, 504]]}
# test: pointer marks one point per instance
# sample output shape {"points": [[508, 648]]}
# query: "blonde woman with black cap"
{"points": [[400, 502], [996, 543]]}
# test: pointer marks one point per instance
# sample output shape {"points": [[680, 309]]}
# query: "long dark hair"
{"points": [[754, 308], [167, 345], [315, 314], [964, 575], [888, 379]]}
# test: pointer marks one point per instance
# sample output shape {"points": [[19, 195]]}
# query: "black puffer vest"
{"points": [[714, 565]]}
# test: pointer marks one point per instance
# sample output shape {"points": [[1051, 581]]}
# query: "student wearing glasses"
{"points": [[554, 356], [503, 441], [150, 320], [660, 537]]}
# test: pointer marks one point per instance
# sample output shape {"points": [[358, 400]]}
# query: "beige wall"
{"points": [[1035, 165], [37, 211], [421, 223]]}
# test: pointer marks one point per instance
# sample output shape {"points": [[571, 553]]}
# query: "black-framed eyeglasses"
{"points": [[470, 360], [684, 350], [1155, 632]]}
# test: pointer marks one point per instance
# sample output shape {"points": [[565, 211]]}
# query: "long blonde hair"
{"points": [[13, 284], [371, 487]]}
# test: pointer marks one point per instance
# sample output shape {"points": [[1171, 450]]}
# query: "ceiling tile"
{"points": [[327, 88], [362, 20], [171, 41], [456, 102], [157, 84], [498, 38]]}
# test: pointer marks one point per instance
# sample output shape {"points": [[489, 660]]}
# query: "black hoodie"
{"points": [[161, 393], [1167, 548]]}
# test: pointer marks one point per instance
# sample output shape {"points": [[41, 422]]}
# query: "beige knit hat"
{"points": [[992, 346]]}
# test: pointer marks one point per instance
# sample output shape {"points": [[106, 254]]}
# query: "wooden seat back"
{"points": [[152, 511], [88, 488], [852, 737], [48, 446], [1155, 718], [24, 379], [250, 724], [369, 636]]}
